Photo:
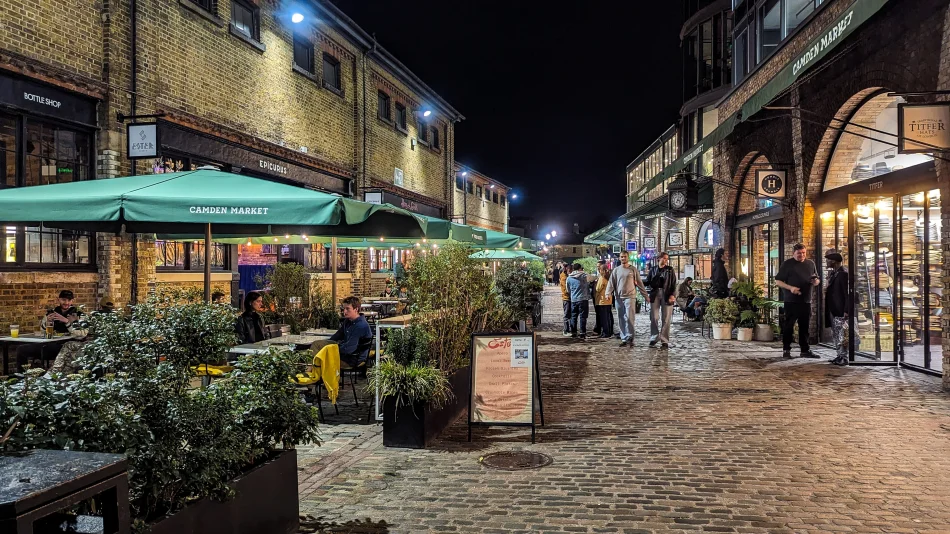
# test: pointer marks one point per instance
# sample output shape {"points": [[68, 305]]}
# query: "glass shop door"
{"points": [[874, 249]]}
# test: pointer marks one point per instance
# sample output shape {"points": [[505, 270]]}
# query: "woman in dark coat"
{"points": [[250, 326], [719, 281]]}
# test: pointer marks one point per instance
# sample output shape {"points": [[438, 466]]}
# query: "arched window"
{"points": [[867, 147]]}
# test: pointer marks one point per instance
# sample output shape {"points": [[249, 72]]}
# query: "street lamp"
{"points": [[547, 237], [553, 233]]}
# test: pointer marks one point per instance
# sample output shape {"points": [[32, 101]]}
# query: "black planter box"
{"points": [[266, 500], [417, 426]]}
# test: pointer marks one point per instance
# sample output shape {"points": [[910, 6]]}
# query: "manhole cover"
{"points": [[516, 460]]}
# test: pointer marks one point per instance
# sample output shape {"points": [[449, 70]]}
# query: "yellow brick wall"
{"points": [[424, 167], [37, 29]]}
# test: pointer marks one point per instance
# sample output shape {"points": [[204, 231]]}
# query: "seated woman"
{"points": [[250, 325], [684, 296]]}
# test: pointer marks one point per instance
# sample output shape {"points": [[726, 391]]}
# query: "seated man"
{"points": [[354, 329], [63, 315]]}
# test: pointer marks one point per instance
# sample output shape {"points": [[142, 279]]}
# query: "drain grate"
{"points": [[516, 460]]}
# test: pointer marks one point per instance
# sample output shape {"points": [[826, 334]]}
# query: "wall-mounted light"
{"points": [[426, 113], [296, 18]]}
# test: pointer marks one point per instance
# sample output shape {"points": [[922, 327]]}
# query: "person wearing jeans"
{"points": [[566, 299], [838, 304], [662, 282], [797, 276], [579, 288], [622, 285]]}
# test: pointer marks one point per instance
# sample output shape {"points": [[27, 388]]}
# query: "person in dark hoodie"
{"points": [[719, 280], [353, 330], [250, 325], [837, 304], [579, 288]]}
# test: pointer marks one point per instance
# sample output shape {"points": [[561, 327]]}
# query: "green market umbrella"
{"points": [[186, 202], [206, 201], [495, 239]]}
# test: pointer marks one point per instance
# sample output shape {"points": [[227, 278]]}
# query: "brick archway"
{"points": [[836, 146]]}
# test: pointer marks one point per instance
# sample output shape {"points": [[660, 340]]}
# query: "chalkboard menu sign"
{"points": [[506, 385]]}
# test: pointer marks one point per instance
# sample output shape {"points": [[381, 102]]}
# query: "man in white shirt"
{"points": [[623, 284]]}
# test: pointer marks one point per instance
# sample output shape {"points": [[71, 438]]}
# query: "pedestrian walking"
{"points": [[602, 302], [662, 282], [797, 276], [566, 298], [579, 288], [719, 279], [622, 286], [556, 274], [838, 304]]}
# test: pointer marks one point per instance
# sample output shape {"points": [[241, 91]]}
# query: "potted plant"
{"points": [[746, 325], [426, 380], [720, 314], [765, 328], [213, 459]]}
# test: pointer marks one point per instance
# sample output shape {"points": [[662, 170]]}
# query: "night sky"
{"points": [[558, 98]]}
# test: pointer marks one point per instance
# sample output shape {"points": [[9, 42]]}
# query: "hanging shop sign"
{"points": [[616, 249], [770, 183], [375, 197], [47, 100], [506, 386], [142, 140], [649, 243], [631, 246], [923, 128], [674, 238]]}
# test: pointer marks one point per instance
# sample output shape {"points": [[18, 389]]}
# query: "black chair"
{"points": [[365, 345], [272, 331]]}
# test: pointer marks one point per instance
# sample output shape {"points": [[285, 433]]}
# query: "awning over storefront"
{"points": [[854, 16], [610, 234]]}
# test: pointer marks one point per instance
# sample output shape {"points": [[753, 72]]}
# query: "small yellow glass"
{"points": [[14, 330]]}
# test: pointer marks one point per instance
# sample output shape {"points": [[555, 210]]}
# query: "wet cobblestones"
{"points": [[708, 436]]}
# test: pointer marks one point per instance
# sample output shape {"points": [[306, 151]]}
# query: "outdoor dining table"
{"points": [[284, 341], [38, 338]]}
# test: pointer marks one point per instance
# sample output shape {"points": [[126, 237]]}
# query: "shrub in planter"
{"points": [[765, 328], [721, 313], [746, 325], [516, 288], [134, 397], [451, 298]]}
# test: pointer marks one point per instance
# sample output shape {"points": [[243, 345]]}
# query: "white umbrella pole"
{"points": [[208, 262], [333, 270]]}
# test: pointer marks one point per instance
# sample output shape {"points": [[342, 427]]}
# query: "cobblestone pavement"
{"points": [[709, 436]]}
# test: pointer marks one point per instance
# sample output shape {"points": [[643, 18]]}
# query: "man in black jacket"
{"points": [[838, 304], [662, 284], [797, 277]]}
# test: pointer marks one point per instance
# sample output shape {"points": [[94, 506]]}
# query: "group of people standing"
{"points": [[618, 287]]}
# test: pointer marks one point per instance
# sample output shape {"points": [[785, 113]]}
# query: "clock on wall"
{"points": [[678, 200]]}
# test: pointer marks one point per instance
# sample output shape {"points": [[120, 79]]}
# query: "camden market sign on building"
{"points": [[859, 12]]}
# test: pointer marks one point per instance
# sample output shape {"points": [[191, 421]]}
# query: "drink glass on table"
{"points": [[14, 330]]}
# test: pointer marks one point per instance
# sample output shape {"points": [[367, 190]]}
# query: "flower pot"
{"points": [[763, 332], [416, 426], [744, 334], [722, 331], [265, 500]]}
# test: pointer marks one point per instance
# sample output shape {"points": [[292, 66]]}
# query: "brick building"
{"points": [[479, 200], [239, 84], [821, 91]]}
